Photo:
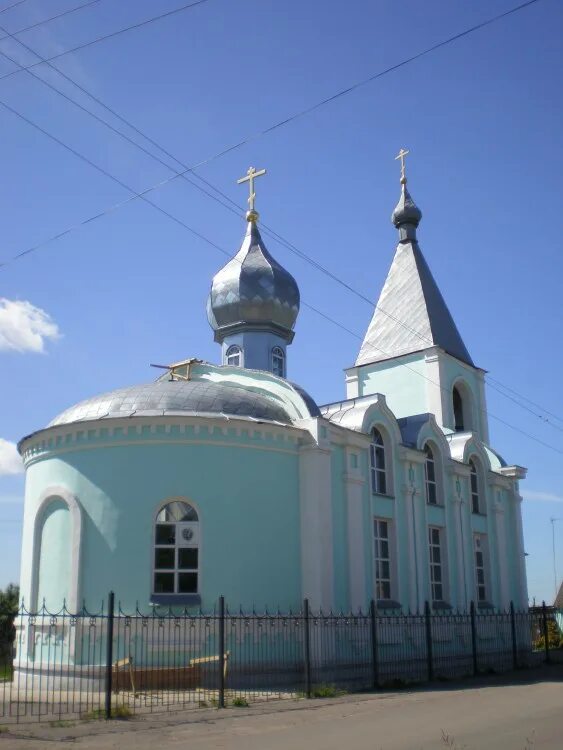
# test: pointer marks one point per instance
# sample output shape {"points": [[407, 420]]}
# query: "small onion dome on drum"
{"points": [[406, 211], [253, 292]]}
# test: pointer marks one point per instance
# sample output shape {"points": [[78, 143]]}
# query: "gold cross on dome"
{"points": [[251, 175], [401, 155]]}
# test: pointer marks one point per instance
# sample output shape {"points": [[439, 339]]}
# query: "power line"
{"points": [[228, 254], [279, 238], [51, 18], [112, 34], [228, 149], [13, 5]]}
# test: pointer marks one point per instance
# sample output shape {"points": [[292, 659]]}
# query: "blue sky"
{"points": [[483, 120]]}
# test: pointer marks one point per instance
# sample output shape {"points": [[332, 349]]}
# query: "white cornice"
{"points": [[94, 434]]}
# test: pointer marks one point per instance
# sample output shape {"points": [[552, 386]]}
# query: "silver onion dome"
{"points": [[253, 290], [406, 211]]}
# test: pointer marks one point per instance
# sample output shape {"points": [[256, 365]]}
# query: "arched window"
{"points": [[377, 463], [430, 476], [278, 361], [475, 494], [176, 549], [459, 422], [234, 356]]}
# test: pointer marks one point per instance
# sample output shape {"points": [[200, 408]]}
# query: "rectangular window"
{"points": [[378, 474], [382, 554], [431, 493], [436, 563], [176, 558], [480, 572]]}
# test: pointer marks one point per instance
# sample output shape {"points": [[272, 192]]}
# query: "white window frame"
{"points": [[234, 351], [475, 487], [480, 550], [431, 482], [379, 471], [186, 535], [278, 361], [383, 556], [437, 562]]}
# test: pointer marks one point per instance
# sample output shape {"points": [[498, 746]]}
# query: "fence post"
{"points": [[473, 638], [221, 652], [374, 648], [513, 631], [109, 653], [545, 633], [429, 658], [307, 643]]}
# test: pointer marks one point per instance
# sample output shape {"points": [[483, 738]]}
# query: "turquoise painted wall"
{"points": [[405, 391], [248, 502]]}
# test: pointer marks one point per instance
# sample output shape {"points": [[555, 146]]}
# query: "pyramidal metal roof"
{"points": [[411, 313]]}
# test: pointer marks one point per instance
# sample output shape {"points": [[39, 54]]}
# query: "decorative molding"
{"points": [[58, 440]]}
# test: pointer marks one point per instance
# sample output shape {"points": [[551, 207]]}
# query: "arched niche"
{"points": [[462, 407], [56, 551]]}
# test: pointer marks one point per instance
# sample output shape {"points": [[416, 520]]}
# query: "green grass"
{"points": [[326, 691], [6, 672], [62, 723], [240, 702], [3, 729], [120, 711]]}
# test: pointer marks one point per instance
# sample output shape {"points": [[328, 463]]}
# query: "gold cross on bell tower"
{"points": [[251, 175], [401, 155]]}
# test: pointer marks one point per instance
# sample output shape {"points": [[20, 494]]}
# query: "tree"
{"points": [[9, 603]]}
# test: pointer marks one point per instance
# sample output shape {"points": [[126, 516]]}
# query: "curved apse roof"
{"points": [[178, 398]]}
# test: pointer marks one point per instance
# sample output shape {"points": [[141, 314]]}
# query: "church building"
{"points": [[229, 479]]}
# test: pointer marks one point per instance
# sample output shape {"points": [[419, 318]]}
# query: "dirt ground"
{"points": [[523, 711]]}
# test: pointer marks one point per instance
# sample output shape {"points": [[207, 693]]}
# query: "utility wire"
{"points": [[525, 398], [233, 207], [51, 18], [228, 254], [13, 5], [113, 34]]}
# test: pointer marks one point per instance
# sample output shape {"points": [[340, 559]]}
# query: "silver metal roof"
{"points": [[415, 314], [194, 397], [253, 288]]}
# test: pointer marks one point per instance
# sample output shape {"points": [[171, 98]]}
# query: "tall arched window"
{"points": [[278, 361], [377, 463], [459, 422], [234, 356], [475, 493], [430, 476], [176, 549]]}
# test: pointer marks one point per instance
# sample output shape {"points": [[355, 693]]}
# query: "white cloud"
{"points": [[549, 497], [24, 327], [10, 459]]}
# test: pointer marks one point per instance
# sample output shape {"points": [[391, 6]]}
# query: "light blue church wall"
{"points": [[256, 348], [405, 392], [246, 491]]}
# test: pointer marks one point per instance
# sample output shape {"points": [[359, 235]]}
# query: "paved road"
{"points": [[513, 717]]}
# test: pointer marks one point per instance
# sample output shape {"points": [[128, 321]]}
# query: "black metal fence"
{"points": [[61, 665]]}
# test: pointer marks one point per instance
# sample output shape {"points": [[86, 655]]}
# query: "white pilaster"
{"points": [[316, 526], [502, 552], [354, 483]]}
